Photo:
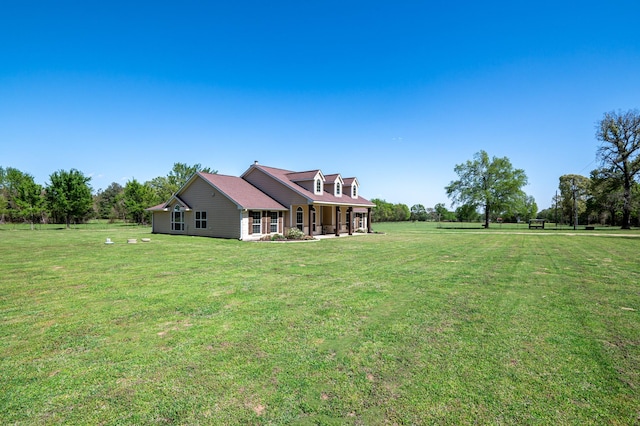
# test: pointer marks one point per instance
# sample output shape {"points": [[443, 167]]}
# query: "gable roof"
{"points": [[241, 192], [350, 181], [284, 177], [332, 178], [165, 205], [304, 176]]}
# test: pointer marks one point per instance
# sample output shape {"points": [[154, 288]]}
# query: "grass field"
{"points": [[419, 325]]}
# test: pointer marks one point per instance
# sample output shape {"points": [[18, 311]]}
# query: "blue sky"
{"points": [[394, 93]]}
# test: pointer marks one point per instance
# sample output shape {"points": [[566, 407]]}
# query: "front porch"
{"points": [[319, 220]]}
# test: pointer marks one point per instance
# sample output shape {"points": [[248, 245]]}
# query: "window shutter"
{"points": [[250, 224]]}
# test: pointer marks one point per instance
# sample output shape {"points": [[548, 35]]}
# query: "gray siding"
{"points": [[309, 185], [162, 222], [223, 215]]}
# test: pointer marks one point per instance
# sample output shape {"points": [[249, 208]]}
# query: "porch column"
{"points": [[311, 209], [369, 220], [337, 221], [350, 219]]}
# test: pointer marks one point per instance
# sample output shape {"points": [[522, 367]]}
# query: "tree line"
{"points": [[487, 188], [385, 211], [68, 197], [611, 195]]}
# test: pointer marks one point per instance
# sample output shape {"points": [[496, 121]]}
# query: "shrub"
{"points": [[295, 234]]}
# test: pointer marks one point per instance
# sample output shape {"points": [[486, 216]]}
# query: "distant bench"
{"points": [[536, 223]]}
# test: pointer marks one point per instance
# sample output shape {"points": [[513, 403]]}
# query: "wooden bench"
{"points": [[536, 223]]}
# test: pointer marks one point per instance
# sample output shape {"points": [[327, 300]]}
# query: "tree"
{"points": [[442, 214], [607, 196], [29, 202], [109, 203], [418, 212], [165, 186], [619, 153], [467, 213], [401, 212], [382, 212], [522, 209], [137, 197], [10, 179], [181, 172], [388, 212], [574, 193], [69, 195], [4, 201], [492, 184], [547, 214]]}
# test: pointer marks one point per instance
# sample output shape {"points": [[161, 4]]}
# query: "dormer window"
{"points": [[318, 186], [354, 191], [338, 189]]}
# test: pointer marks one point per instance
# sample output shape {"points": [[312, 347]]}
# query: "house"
{"points": [[264, 200]]}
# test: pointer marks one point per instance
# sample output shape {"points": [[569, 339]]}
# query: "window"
{"points": [[201, 220], [274, 221], [313, 219], [256, 222], [354, 191], [338, 189], [318, 186], [300, 219], [177, 219]]}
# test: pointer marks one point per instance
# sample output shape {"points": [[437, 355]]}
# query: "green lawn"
{"points": [[419, 325]]}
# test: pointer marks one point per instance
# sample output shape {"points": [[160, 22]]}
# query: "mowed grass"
{"points": [[419, 325]]}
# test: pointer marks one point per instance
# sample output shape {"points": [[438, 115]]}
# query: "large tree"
{"points": [[388, 212], [442, 214], [165, 186], [109, 203], [69, 195], [467, 213], [574, 193], [29, 200], [492, 184], [619, 153], [418, 212], [137, 197], [10, 180]]}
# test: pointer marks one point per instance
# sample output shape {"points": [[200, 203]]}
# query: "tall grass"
{"points": [[419, 325]]}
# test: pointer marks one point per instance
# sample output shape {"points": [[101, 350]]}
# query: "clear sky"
{"points": [[394, 93]]}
